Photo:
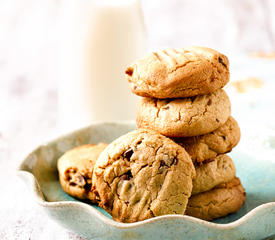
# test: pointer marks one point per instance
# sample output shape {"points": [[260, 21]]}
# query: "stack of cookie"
{"points": [[176, 162], [183, 99]]}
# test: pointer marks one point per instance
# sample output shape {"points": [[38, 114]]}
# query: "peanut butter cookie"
{"points": [[178, 73], [184, 117], [211, 174], [208, 146], [224, 199], [75, 169], [142, 175]]}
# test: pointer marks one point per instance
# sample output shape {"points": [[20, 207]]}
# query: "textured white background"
{"points": [[28, 82]]}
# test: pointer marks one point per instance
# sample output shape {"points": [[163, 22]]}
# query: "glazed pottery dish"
{"points": [[255, 220]]}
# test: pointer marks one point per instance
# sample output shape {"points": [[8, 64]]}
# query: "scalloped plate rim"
{"points": [[37, 193]]}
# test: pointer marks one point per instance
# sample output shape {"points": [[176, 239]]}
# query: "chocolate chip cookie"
{"points": [[208, 146], [224, 199], [184, 117], [142, 175], [178, 73], [75, 169], [211, 174]]}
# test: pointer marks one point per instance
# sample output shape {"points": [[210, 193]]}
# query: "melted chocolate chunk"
{"points": [[165, 164], [128, 154], [168, 162], [95, 192], [87, 186], [105, 203], [162, 166], [127, 176]]}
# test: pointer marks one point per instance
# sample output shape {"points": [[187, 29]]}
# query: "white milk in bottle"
{"points": [[98, 39]]}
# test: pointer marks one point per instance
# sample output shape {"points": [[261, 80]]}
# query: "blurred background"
{"points": [[29, 47], [29, 33]]}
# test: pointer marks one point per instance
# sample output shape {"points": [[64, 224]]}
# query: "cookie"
{"points": [[178, 73], [211, 174], [75, 169], [184, 117], [208, 146], [224, 199], [141, 175]]}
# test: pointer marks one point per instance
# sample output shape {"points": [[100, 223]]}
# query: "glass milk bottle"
{"points": [[98, 39]]}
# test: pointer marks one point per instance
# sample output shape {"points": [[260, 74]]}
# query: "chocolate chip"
{"points": [[224, 137], [221, 61], [175, 161], [166, 108], [162, 163], [72, 170], [129, 173], [128, 154], [95, 192], [129, 71], [217, 120], [167, 161], [127, 176], [69, 174], [87, 186], [105, 203], [72, 184]]}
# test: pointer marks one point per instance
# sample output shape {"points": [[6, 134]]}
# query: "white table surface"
{"points": [[28, 92]]}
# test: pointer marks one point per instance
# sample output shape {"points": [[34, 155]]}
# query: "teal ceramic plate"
{"points": [[256, 219]]}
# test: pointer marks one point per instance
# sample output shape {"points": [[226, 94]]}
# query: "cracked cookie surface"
{"points": [[142, 175], [184, 117], [211, 174], [208, 146], [222, 200], [75, 168], [177, 73]]}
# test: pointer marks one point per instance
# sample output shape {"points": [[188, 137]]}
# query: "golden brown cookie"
{"points": [[184, 117], [211, 174], [142, 175], [75, 169], [224, 199], [178, 73], [208, 146]]}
